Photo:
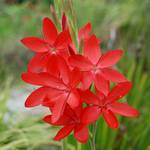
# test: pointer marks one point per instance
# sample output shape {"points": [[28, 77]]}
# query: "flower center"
{"points": [[96, 69], [53, 49]]}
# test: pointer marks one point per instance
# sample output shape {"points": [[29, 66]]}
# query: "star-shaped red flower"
{"points": [[107, 105], [71, 121], [96, 66], [52, 43], [56, 91]]}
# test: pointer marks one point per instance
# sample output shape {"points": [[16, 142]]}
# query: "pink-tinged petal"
{"points": [[65, 131], [42, 79], [80, 62], [111, 119], [85, 31], [87, 79], [58, 108], [64, 120], [64, 22], [90, 114], [91, 49], [110, 58], [88, 97], [49, 31], [36, 97], [119, 91], [35, 44], [81, 133], [123, 109], [101, 83], [52, 65], [63, 40], [38, 63], [75, 77], [113, 75], [73, 99]]}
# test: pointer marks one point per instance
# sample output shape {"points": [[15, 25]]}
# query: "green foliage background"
{"points": [[123, 24]]}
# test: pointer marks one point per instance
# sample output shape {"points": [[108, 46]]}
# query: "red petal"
{"points": [[88, 97], [111, 119], [64, 22], [71, 49], [90, 114], [73, 99], [62, 121], [59, 106], [38, 63], [48, 103], [124, 109], [52, 66], [101, 97], [63, 40], [36, 97], [52, 97], [54, 93], [75, 77], [35, 44], [85, 31], [101, 84], [65, 131], [49, 31], [80, 62], [78, 110], [81, 133], [42, 79], [70, 112], [92, 49], [87, 79], [119, 91], [64, 70], [113, 75], [110, 58]]}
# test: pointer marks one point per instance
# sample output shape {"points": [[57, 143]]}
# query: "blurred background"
{"points": [[123, 24]]}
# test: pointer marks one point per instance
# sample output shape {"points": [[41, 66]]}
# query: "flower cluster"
{"points": [[75, 86]]}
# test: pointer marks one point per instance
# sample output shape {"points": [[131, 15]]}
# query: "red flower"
{"points": [[57, 90], [52, 43], [71, 121], [96, 66], [84, 32], [107, 105]]}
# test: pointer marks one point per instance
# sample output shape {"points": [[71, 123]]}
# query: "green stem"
{"points": [[79, 146], [64, 144], [93, 143]]}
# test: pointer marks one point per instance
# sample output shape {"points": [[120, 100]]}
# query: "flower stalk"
{"points": [[93, 138]]}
